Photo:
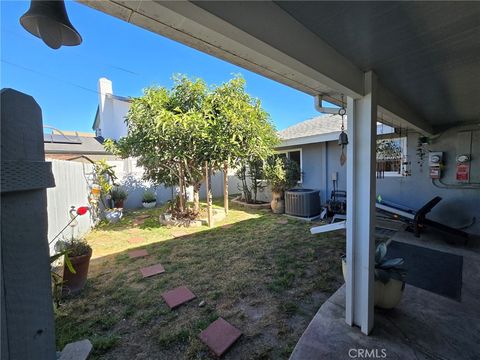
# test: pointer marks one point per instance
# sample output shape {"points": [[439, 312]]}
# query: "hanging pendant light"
{"points": [[48, 20]]}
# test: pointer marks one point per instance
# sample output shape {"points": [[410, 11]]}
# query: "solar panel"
{"points": [[61, 139]]}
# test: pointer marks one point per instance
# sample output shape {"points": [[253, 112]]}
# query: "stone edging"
{"points": [[251, 206]]}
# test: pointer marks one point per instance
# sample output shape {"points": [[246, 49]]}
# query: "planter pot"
{"points": [[73, 283], [118, 203], [149, 205], [386, 296], [278, 203]]}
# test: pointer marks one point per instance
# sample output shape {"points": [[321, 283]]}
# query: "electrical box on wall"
{"points": [[463, 158], [435, 162], [463, 168]]}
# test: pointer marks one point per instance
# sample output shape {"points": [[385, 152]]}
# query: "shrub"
{"points": [[73, 247], [118, 194], [149, 197], [281, 174]]}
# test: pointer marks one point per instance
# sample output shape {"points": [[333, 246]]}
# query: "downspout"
{"points": [[318, 99], [327, 182]]}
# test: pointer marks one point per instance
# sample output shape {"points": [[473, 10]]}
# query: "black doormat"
{"points": [[431, 270]]}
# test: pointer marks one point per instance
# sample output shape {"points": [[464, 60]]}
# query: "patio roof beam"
{"points": [[238, 33], [311, 66]]}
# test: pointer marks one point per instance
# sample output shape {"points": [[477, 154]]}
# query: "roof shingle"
{"points": [[323, 124]]}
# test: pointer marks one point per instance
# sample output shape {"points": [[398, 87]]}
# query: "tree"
{"points": [[243, 133], [166, 132], [173, 133]]}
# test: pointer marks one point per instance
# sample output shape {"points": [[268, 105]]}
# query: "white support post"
{"points": [[361, 183]]}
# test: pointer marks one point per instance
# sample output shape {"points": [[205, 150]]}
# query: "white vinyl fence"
{"points": [[73, 181], [72, 187]]}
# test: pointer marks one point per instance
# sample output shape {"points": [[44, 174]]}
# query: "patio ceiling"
{"points": [[426, 56], [426, 53]]}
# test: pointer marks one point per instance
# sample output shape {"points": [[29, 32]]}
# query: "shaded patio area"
{"points": [[423, 326]]}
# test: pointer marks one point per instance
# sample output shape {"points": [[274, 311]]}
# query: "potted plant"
{"points": [[118, 196], [281, 174], [149, 199], [78, 253], [389, 278]]}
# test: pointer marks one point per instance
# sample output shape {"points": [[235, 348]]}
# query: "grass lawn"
{"points": [[265, 278]]}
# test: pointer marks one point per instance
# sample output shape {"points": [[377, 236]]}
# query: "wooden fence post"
{"points": [[27, 324]]}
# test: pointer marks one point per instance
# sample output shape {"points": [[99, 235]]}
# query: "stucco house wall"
{"points": [[319, 162], [458, 206]]}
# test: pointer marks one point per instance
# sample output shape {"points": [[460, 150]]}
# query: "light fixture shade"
{"points": [[48, 20]]}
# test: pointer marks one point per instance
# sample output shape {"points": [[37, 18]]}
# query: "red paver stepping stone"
{"points": [[143, 217], [137, 253], [219, 336], [152, 270], [178, 296], [136, 240], [283, 222]]}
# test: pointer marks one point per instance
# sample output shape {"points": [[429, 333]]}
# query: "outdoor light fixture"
{"points": [[48, 20]]}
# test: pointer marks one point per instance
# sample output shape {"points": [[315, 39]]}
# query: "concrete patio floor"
{"points": [[423, 326]]}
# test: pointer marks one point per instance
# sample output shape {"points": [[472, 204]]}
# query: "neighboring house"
{"points": [[111, 111], [74, 146]]}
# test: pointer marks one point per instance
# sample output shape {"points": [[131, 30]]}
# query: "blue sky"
{"points": [[64, 81]]}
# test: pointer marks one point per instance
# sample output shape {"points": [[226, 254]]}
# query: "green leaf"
{"points": [[69, 264]]}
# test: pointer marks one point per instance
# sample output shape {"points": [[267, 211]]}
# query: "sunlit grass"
{"points": [[266, 278]]}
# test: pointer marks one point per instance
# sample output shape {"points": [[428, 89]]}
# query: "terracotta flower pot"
{"points": [[278, 203], [118, 204], [73, 283]]}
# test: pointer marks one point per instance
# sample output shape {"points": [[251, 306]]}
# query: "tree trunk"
{"points": [[225, 187], [208, 183], [181, 183], [196, 197]]}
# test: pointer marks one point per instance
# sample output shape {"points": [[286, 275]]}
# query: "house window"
{"points": [[392, 157], [294, 155]]}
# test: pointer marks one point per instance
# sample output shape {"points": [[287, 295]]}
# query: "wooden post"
{"points": [[208, 183], [27, 323], [225, 187]]}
